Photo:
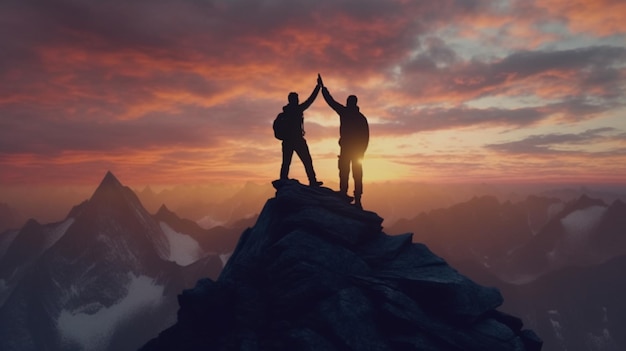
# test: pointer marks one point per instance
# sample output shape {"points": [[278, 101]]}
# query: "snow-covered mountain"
{"points": [[105, 278], [210, 206], [584, 232], [21, 250], [524, 240], [218, 239]]}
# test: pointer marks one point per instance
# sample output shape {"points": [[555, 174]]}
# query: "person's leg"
{"points": [[302, 149], [287, 155], [357, 174], [344, 170]]}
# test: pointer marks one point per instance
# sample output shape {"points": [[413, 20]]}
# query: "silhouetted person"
{"points": [[294, 140], [353, 139]]}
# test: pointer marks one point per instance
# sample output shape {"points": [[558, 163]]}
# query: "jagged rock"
{"points": [[315, 273], [104, 278]]}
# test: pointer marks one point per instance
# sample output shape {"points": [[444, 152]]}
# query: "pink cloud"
{"points": [[116, 78]]}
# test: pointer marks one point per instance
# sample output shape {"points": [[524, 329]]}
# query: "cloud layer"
{"points": [[182, 91]]}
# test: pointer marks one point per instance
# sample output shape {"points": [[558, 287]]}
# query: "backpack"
{"points": [[281, 126]]}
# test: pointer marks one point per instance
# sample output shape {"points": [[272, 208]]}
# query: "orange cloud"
{"points": [[600, 17], [186, 91]]}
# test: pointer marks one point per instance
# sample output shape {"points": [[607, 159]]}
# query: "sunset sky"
{"points": [[171, 92]]}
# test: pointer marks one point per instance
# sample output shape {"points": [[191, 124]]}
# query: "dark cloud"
{"points": [[409, 121], [581, 108], [548, 144], [593, 67], [527, 63], [343, 36], [110, 76], [51, 137], [177, 125]]}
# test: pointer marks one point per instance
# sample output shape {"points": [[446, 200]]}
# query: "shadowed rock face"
{"points": [[315, 273], [103, 279]]}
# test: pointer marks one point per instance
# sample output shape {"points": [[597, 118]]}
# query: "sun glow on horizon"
{"points": [[499, 92]]}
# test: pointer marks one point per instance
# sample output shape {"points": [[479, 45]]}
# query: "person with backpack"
{"points": [[353, 140], [289, 127]]}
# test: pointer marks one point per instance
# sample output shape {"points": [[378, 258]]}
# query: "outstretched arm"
{"points": [[311, 98], [330, 101]]}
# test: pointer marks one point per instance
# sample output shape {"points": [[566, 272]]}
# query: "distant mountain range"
{"points": [[520, 241], [216, 204], [105, 278], [575, 308], [558, 263], [222, 207]]}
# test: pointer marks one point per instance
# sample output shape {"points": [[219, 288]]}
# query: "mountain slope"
{"points": [[107, 281], [26, 247], [482, 228], [217, 239], [519, 242], [585, 232], [10, 218], [315, 273], [575, 308]]}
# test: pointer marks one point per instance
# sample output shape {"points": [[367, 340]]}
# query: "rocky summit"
{"points": [[316, 273]]}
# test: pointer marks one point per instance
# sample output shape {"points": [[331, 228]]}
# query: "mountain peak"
{"points": [[165, 213], [582, 202], [163, 209], [315, 272], [110, 180], [114, 202], [78, 209], [110, 188]]}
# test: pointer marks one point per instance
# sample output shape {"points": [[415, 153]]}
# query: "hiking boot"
{"points": [[315, 183], [345, 196], [357, 202]]}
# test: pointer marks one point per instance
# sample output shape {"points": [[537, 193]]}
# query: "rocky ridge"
{"points": [[315, 273]]}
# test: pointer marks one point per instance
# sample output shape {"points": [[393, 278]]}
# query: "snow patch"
{"points": [[207, 222], [184, 249], [554, 210], [579, 224], [529, 223], [93, 330], [556, 325], [224, 258], [604, 341], [118, 249]]}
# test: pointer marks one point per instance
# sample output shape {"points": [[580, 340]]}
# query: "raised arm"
{"points": [[330, 101], [311, 98]]}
